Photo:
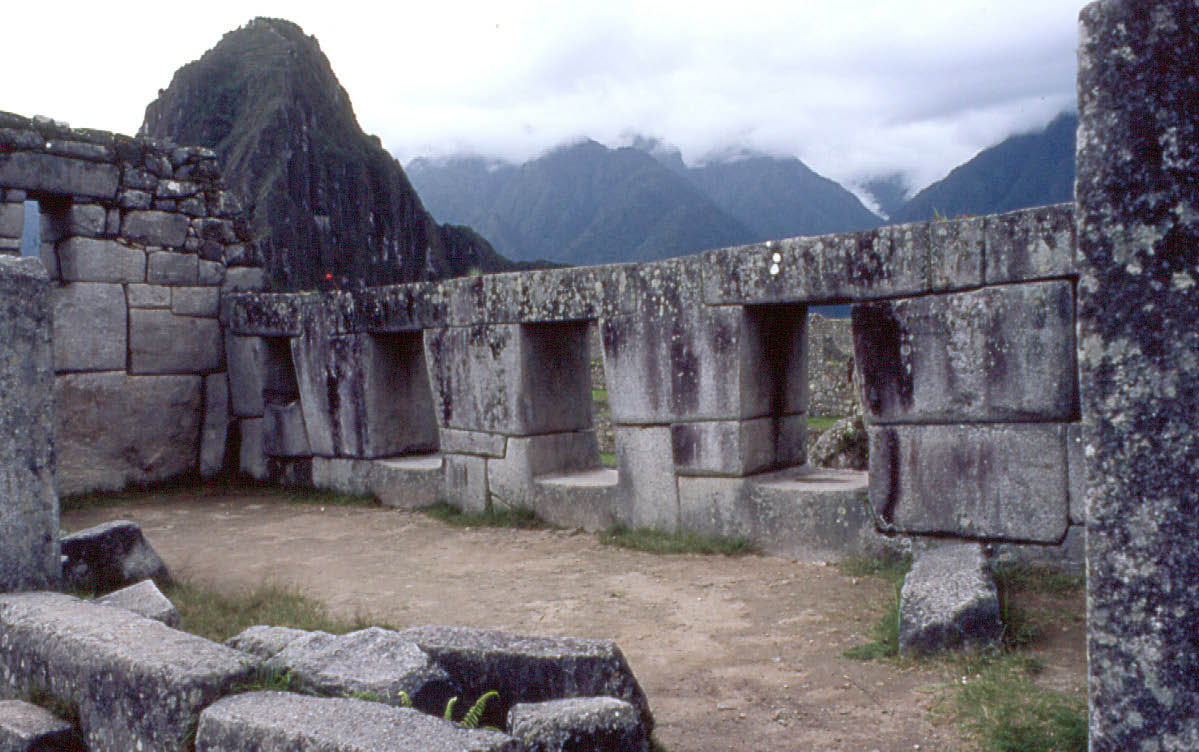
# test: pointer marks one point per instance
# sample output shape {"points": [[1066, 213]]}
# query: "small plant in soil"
{"points": [[512, 517], [657, 542]]}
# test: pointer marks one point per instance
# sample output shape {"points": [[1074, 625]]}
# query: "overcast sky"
{"points": [[854, 88]]}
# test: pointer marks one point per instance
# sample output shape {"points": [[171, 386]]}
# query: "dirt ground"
{"points": [[733, 653]]}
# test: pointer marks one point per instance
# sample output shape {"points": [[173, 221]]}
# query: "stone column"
{"points": [[1138, 223]]}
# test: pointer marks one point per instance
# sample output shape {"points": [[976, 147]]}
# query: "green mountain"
{"points": [[1030, 169], [323, 197]]}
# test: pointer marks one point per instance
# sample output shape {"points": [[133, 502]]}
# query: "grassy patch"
{"points": [[524, 519], [608, 459], [821, 423], [600, 396], [192, 488], [884, 633], [219, 616], [655, 542]]}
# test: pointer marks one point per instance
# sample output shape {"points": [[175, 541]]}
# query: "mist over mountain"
{"points": [[888, 193], [586, 203], [1029, 169], [322, 195]]}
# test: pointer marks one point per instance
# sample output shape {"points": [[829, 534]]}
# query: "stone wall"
{"points": [[140, 239], [831, 372]]}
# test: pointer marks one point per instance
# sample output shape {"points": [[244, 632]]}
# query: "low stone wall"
{"points": [[140, 239]]}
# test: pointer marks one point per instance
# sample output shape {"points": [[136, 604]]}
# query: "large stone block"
{"points": [[93, 260], [214, 438], [466, 482], [143, 599], [246, 360], [166, 268], [29, 728], [396, 404], [529, 668], [159, 228], [252, 456], [29, 502], [160, 342], [403, 482], [195, 301], [264, 314], [586, 723], [510, 479], [86, 219], [112, 429], [283, 721], [1030, 244], [948, 601], [738, 447], [472, 442], [110, 556], [90, 324], [148, 296], [12, 220], [1002, 354], [283, 433], [137, 683], [52, 174], [646, 464], [1003, 482], [1138, 154]]}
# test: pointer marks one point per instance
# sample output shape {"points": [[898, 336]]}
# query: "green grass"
{"points": [[599, 396], [884, 633], [656, 542], [524, 519], [191, 488], [608, 459], [821, 423]]}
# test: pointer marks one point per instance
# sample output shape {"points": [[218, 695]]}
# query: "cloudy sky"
{"points": [[854, 88]]}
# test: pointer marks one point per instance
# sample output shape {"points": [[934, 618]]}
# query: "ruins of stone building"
{"points": [[1023, 375]]}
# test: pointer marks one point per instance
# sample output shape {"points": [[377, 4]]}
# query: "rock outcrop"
{"points": [[322, 195]]}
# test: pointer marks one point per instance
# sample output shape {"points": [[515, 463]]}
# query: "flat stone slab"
{"points": [[285, 722], [110, 556], [527, 668], [265, 641], [28, 728], [579, 724], [948, 601], [373, 661], [138, 684], [144, 599]]}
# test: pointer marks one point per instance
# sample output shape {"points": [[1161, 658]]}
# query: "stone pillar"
{"points": [[1138, 225], [28, 500]]}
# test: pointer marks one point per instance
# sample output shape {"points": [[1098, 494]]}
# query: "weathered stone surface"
{"points": [[282, 722], [1030, 244], [472, 442], [526, 668], [137, 683], [242, 278], [264, 314], [592, 500], [394, 401], [144, 599], [265, 641], [112, 429], [110, 556], [252, 457], [1005, 481], [998, 354], [510, 479], [246, 360], [955, 254], [844, 445], [86, 219], [148, 296], [155, 228], [645, 458], [306, 363], [578, 725], [89, 327], [466, 482], [545, 295], [1138, 237], [831, 367], [53, 174], [948, 601], [214, 437], [738, 447], [12, 220], [374, 660], [94, 260], [28, 728], [409, 482], [166, 268], [210, 273], [283, 433], [195, 301], [29, 503], [161, 342]]}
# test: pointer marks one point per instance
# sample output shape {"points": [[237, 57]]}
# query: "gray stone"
{"points": [[112, 429], [210, 273], [94, 260], [1004, 481], [844, 445], [51, 174], [50, 260], [466, 482], [955, 254], [137, 683], [409, 482], [1139, 361], [195, 301], [264, 314], [89, 327], [148, 296], [510, 479], [394, 404], [214, 437], [528, 668], [112, 222], [645, 457], [264, 641], [306, 364], [246, 361], [28, 728], [1030, 244], [160, 342], [283, 433], [252, 457], [12, 220], [372, 661], [166, 268], [241, 278], [29, 556], [158, 228], [283, 722], [144, 599], [738, 447], [948, 601], [580, 724], [472, 442], [591, 500], [998, 354], [111, 556], [86, 219]]}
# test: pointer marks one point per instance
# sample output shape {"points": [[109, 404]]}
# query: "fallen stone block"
{"points": [[578, 724], [524, 668], [137, 684], [144, 599], [28, 728], [283, 722], [110, 556], [264, 641], [948, 601], [374, 661]]}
